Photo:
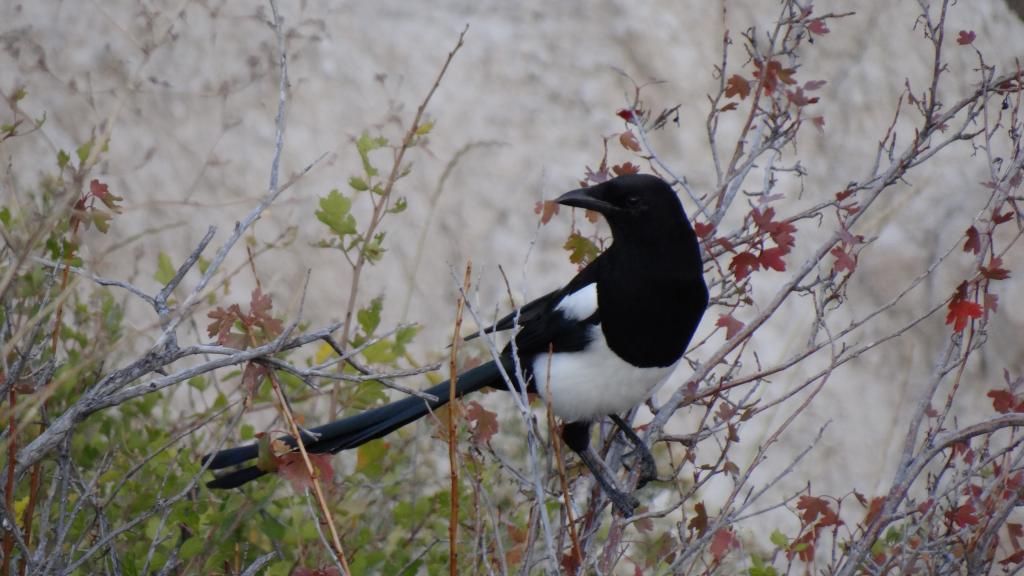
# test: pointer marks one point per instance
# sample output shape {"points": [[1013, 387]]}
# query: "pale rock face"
{"points": [[520, 114]]}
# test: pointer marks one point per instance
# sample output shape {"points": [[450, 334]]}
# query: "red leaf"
{"points": [[963, 450], [292, 468], [772, 258], [961, 310], [703, 229], [1013, 559], [742, 264], [813, 508], [731, 325], [699, 522], [799, 99], [1003, 401], [963, 516], [840, 196], [1001, 218], [874, 509], [844, 260], [995, 270], [818, 26], [812, 85], [991, 302], [546, 209], [973, 243], [625, 168], [485, 420], [252, 376], [781, 232], [805, 544], [763, 218], [223, 321], [570, 563], [722, 542], [819, 122], [737, 85], [966, 37], [628, 115], [772, 73], [1016, 532], [102, 192]]}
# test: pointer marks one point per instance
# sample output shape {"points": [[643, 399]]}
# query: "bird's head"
{"points": [[633, 204]]}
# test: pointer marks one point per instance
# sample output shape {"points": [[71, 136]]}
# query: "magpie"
{"points": [[598, 346]]}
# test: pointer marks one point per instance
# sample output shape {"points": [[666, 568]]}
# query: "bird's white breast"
{"points": [[593, 382]]}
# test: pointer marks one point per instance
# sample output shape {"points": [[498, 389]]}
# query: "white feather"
{"points": [[581, 304], [593, 382]]}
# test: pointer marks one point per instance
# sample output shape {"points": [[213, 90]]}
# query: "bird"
{"points": [[596, 347]]}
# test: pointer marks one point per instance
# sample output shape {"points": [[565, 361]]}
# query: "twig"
{"points": [[453, 462]]}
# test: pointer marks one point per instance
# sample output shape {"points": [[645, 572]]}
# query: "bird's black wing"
{"points": [[554, 328], [528, 312], [534, 318]]}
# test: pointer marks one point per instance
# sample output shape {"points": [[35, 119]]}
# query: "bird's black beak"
{"points": [[589, 198]]}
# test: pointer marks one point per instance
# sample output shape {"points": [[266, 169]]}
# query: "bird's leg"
{"points": [[648, 468], [576, 436]]}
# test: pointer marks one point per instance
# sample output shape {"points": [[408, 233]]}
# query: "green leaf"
{"points": [[424, 129], [374, 249], [878, 548], [365, 144], [380, 353], [762, 571], [369, 316], [83, 152], [62, 159], [220, 401], [779, 539], [370, 458], [399, 206], [18, 95], [358, 184], [581, 249], [403, 337], [192, 547], [334, 212], [164, 269], [203, 264], [100, 219], [5, 217]]}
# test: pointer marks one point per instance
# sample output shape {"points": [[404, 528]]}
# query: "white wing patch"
{"points": [[581, 304]]}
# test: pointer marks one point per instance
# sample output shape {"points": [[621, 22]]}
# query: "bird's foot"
{"points": [[647, 467]]}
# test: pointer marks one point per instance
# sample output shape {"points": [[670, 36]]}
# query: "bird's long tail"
{"points": [[359, 429]]}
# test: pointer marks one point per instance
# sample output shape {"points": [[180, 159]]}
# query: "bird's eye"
{"points": [[632, 201]]}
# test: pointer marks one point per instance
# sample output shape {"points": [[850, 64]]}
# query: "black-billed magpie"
{"points": [[596, 347]]}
